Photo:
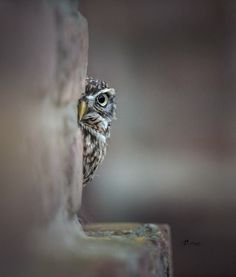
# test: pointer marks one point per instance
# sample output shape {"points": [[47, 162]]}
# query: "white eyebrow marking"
{"points": [[111, 91], [89, 97]]}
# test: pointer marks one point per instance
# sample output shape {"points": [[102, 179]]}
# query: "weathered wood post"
{"points": [[43, 64]]}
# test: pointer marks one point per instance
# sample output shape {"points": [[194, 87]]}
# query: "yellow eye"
{"points": [[102, 99]]}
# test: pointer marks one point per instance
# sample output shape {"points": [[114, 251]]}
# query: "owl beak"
{"points": [[82, 108]]}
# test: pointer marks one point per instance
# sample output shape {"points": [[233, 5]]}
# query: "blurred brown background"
{"points": [[173, 148]]}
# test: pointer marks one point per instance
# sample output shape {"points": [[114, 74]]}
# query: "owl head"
{"points": [[97, 108]]}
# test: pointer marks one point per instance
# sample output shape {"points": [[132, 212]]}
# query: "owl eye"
{"points": [[102, 99]]}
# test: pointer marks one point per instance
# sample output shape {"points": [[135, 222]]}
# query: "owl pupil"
{"points": [[101, 99]]}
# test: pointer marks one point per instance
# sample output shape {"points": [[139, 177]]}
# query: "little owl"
{"points": [[96, 110]]}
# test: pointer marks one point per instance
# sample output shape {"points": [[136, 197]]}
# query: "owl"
{"points": [[96, 110]]}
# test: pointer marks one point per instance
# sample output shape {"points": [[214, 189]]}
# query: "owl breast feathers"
{"points": [[96, 110]]}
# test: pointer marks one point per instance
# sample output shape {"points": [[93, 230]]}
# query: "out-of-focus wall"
{"points": [[43, 65], [173, 148]]}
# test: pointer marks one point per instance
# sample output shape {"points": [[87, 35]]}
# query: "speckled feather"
{"points": [[95, 125]]}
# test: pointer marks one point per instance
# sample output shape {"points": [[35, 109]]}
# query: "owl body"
{"points": [[96, 110], [94, 151]]}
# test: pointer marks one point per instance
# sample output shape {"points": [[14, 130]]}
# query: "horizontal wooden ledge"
{"points": [[151, 241]]}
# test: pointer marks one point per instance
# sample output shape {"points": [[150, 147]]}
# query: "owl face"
{"points": [[96, 108]]}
